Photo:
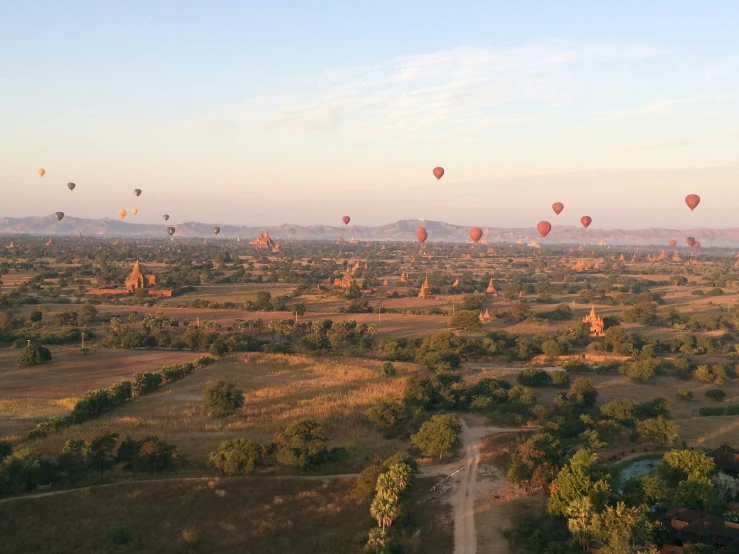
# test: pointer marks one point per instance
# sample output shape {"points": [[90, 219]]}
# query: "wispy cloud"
{"points": [[664, 106], [456, 91], [682, 141]]}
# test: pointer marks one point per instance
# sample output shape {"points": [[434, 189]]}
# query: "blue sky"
{"points": [[271, 112]]}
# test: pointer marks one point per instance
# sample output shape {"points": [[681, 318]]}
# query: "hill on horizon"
{"points": [[400, 230]]}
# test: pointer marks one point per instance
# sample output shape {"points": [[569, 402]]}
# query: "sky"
{"points": [[271, 112]]}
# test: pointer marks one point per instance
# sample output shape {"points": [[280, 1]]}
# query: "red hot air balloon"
{"points": [[692, 200], [690, 241], [438, 172], [475, 234], [544, 227], [673, 243], [586, 220], [346, 219], [421, 234], [696, 245], [558, 207]]}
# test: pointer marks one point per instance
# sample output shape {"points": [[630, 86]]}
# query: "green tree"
{"points": [[535, 461], [238, 457], [99, 449], [388, 369], [156, 456], [660, 430], [301, 445], [678, 465], [439, 436], [300, 308], [618, 528], [36, 316], [34, 354], [579, 478], [466, 320], [582, 392], [222, 399]]}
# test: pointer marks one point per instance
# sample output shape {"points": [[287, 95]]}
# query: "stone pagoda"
{"points": [[263, 241], [425, 289], [491, 289], [596, 326]]}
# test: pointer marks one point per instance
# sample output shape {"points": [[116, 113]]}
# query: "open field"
{"points": [[31, 394], [278, 390]]}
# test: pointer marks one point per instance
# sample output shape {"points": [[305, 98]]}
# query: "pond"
{"points": [[637, 469]]}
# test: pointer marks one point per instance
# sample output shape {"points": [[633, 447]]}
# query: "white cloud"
{"points": [[664, 106], [457, 90]]}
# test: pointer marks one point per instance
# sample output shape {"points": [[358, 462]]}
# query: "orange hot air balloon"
{"points": [[122, 213], [690, 241], [134, 211], [696, 245], [586, 220], [41, 172], [475, 234], [421, 234], [438, 172], [544, 227], [692, 200], [558, 207], [673, 243], [346, 219]]}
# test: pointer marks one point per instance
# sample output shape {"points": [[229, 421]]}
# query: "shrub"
{"points": [[559, 378], [153, 455], [388, 369], [301, 445], [716, 394], [119, 534], [34, 354], [684, 394], [222, 399], [534, 377], [576, 366], [238, 457]]}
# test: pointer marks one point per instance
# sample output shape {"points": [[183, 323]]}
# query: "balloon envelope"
{"points": [[165, 217], [558, 207], [692, 200], [170, 231], [71, 186], [421, 234], [438, 172], [41, 172], [696, 245], [475, 234], [673, 243], [137, 192], [544, 227], [346, 219], [690, 241], [586, 220], [216, 230], [122, 213], [134, 211], [59, 216]]}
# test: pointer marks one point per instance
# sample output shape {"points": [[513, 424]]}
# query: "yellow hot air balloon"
{"points": [[122, 213], [41, 172], [134, 211]]}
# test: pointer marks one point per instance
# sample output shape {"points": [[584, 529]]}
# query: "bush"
{"points": [[155, 456], [716, 394], [576, 366], [388, 369], [34, 354], [301, 445], [534, 377], [238, 457], [222, 399], [559, 378], [684, 394], [119, 534]]}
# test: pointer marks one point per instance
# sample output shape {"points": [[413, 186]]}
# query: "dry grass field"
{"points": [[29, 395], [278, 390]]}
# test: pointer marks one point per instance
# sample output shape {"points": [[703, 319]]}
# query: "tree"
{"points": [[222, 399], [98, 449], [535, 461], [36, 316], [238, 457], [618, 528], [300, 308], [678, 465], [34, 354], [156, 456], [388, 369], [660, 430], [579, 478], [696, 493], [438, 436], [583, 392], [466, 320], [301, 445]]}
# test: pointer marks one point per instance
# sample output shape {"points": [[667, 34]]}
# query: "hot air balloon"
{"points": [[692, 200], [673, 243], [122, 213], [41, 172], [137, 192], [421, 234], [170, 231], [544, 227], [346, 219], [438, 172], [475, 234], [216, 230], [59, 216], [586, 220], [134, 211], [71, 186], [696, 245], [690, 241], [165, 217], [558, 207]]}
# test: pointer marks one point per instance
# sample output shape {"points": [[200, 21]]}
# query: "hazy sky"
{"points": [[271, 112]]}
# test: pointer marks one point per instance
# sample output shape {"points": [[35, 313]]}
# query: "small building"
{"points": [[597, 327], [135, 281], [484, 317], [491, 289], [404, 278], [263, 241], [344, 282], [726, 459], [425, 289]]}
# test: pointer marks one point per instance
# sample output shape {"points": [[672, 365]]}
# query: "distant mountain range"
{"points": [[401, 230]]}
